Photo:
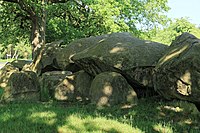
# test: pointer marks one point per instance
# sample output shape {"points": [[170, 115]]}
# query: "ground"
{"points": [[151, 115]]}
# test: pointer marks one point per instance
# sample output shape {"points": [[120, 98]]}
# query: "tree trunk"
{"points": [[35, 35], [43, 22], [38, 31], [38, 26]]}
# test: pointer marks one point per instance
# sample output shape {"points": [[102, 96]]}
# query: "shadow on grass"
{"points": [[150, 115], [156, 115]]}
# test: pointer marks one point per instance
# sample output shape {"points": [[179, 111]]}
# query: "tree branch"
{"points": [[58, 1], [26, 7], [12, 1]]}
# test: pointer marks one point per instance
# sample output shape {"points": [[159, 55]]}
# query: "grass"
{"points": [[150, 115]]}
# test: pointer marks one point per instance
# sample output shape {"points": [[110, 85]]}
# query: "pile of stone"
{"points": [[107, 70]]}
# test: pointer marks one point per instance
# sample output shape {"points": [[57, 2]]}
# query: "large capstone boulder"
{"points": [[64, 55], [49, 81], [74, 87], [111, 88], [177, 74], [22, 86], [55, 57], [135, 59]]}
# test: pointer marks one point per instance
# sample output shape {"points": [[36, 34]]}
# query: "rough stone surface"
{"points": [[177, 74], [122, 51], [141, 78], [63, 57], [135, 59], [22, 86], [143, 75], [5, 73], [74, 87], [111, 88], [49, 81]]}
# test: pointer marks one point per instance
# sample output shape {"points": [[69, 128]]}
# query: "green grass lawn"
{"points": [[149, 116]]}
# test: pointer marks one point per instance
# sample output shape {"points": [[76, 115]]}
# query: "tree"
{"points": [[81, 18], [35, 13], [174, 29]]}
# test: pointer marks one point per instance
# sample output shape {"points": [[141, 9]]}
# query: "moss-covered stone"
{"points": [[74, 87], [123, 53], [49, 81], [22, 86], [64, 55], [65, 86], [5, 74], [177, 74], [111, 88]]}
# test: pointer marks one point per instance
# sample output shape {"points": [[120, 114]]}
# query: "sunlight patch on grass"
{"points": [[149, 116], [6, 116], [188, 121], [175, 109], [162, 128], [75, 123], [47, 117]]}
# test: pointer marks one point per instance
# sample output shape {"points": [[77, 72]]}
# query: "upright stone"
{"points": [[177, 74], [74, 87], [22, 86], [111, 88]]}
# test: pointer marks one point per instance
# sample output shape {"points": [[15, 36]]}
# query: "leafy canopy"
{"points": [[72, 19], [173, 29]]}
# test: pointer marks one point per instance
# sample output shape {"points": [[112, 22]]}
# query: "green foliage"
{"points": [[150, 115], [172, 30], [23, 49], [14, 30], [76, 19]]}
